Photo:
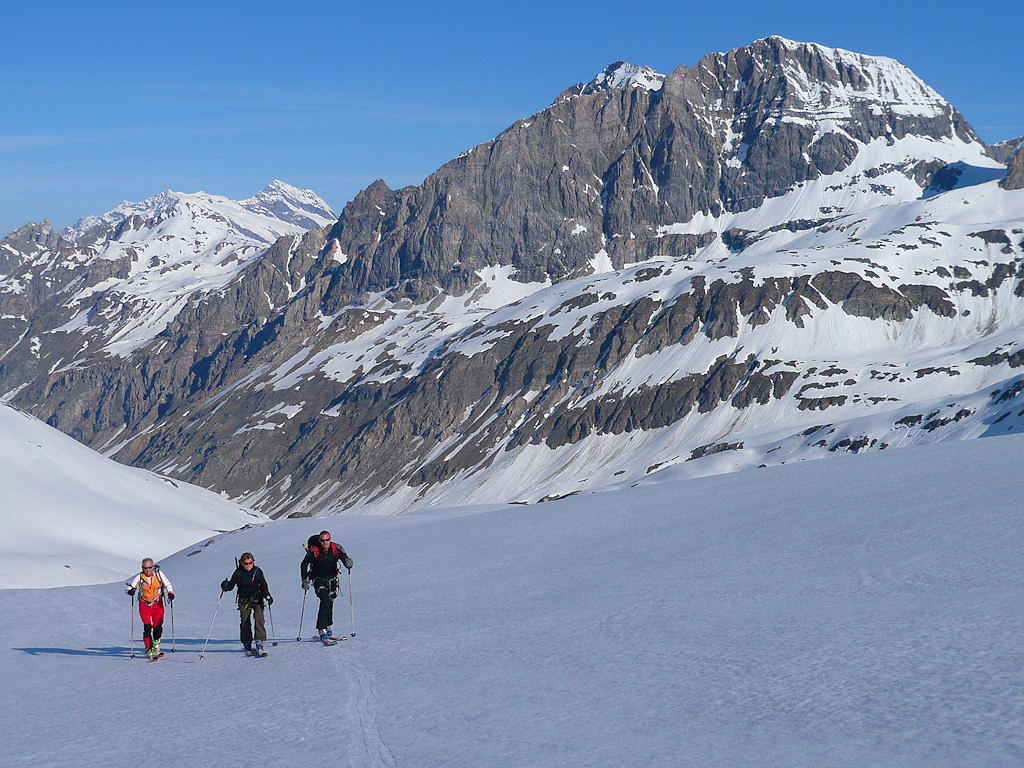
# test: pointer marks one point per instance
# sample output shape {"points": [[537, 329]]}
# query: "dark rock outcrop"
{"points": [[1014, 170]]}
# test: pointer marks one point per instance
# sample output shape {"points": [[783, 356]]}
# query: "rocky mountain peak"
{"points": [[646, 151], [1002, 150], [1015, 169], [149, 209], [34, 234], [620, 75], [292, 204], [815, 83], [25, 242]]}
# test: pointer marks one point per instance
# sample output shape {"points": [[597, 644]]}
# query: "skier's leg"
{"points": [[146, 614], [260, 625], [245, 628], [158, 623], [323, 593], [330, 604]]}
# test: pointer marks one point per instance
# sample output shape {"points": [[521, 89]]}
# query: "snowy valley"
{"points": [[856, 611]]}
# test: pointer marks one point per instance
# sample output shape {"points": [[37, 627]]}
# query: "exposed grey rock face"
{"points": [[603, 167], [400, 352], [1014, 170], [1002, 150]]}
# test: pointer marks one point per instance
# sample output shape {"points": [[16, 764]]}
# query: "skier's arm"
{"points": [[265, 589], [134, 584], [306, 566], [345, 559], [166, 582], [228, 584]]}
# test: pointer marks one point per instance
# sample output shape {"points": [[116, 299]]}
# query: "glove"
{"points": [[170, 597], [130, 591], [348, 563], [270, 600], [225, 586], [305, 585]]}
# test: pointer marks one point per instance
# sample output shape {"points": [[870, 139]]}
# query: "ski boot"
{"points": [[259, 649], [248, 649]]}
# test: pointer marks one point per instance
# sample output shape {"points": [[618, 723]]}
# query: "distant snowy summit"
{"points": [[277, 201], [302, 207], [117, 279], [619, 76]]}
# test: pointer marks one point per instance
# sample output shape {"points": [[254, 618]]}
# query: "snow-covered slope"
{"points": [[858, 612], [71, 516], [909, 332]]}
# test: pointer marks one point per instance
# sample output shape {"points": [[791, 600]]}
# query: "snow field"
{"points": [[859, 611]]}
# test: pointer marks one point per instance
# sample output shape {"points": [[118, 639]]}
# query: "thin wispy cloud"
{"points": [[255, 101], [219, 126]]}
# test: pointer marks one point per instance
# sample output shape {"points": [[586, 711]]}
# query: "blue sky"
{"points": [[105, 102]]}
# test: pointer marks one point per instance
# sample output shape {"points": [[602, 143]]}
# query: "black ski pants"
{"points": [[326, 590]]}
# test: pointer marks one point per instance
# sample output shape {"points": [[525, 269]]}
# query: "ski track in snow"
{"points": [[368, 747]]}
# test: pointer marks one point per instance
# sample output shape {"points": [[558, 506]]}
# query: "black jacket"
{"points": [[252, 585], [322, 562]]}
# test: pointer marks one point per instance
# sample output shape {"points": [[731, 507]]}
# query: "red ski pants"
{"points": [[152, 622]]}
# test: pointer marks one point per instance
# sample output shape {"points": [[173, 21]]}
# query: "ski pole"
{"points": [[211, 625], [272, 630], [131, 653], [302, 613], [351, 606], [174, 639]]}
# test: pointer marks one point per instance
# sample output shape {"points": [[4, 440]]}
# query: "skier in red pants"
{"points": [[152, 585]]}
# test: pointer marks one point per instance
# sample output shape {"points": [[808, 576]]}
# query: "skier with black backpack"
{"points": [[252, 592], [319, 569]]}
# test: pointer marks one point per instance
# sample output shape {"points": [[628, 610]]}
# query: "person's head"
{"points": [[247, 561], [148, 565], [325, 537]]}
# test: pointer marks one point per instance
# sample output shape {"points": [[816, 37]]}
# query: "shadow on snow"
{"points": [[124, 652]]}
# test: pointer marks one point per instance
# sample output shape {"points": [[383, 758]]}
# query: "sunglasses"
{"points": [[325, 541], [249, 562], [148, 567]]}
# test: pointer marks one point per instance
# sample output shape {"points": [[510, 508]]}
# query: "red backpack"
{"points": [[313, 545]]}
